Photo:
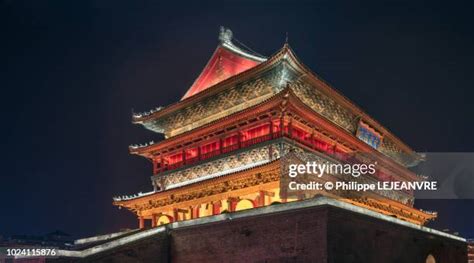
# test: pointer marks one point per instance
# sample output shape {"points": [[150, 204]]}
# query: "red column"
{"points": [[261, 199], [199, 152], [155, 166], [153, 220], [141, 222], [184, 156], [239, 139], [271, 127], [282, 124], [216, 208], [175, 215], [195, 211], [231, 203], [220, 145], [162, 163]]}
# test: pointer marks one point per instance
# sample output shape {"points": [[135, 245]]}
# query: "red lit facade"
{"points": [[227, 137]]}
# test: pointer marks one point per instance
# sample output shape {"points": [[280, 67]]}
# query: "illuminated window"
{"points": [[256, 132], [175, 158], [232, 140], [164, 219], [243, 205], [191, 153], [276, 126], [214, 146]]}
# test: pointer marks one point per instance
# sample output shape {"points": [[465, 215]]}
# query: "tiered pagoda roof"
{"points": [[228, 136], [231, 66]]}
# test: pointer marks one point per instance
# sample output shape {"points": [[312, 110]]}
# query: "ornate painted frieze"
{"points": [[233, 100], [230, 164], [209, 190], [325, 106]]}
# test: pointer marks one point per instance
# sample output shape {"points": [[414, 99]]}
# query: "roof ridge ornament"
{"points": [[225, 35], [225, 39]]}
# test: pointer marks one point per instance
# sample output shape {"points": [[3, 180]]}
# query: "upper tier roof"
{"points": [[226, 61], [157, 120]]}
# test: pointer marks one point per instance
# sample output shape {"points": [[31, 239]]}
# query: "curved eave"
{"points": [[142, 199], [227, 83], [144, 151], [242, 53]]}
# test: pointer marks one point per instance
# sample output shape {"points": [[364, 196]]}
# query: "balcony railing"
{"points": [[256, 140], [210, 154], [230, 148], [174, 165], [309, 142], [192, 160]]}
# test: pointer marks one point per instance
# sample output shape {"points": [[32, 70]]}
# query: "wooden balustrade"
{"points": [[308, 142], [192, 160], [210, 154], [256, 140], [230, 148]]}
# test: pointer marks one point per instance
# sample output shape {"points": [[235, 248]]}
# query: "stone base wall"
{"points": [[357, 238], [323, 234]]}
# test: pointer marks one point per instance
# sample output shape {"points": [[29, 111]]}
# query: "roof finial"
{"points": [[225, 35], [286, 38]]}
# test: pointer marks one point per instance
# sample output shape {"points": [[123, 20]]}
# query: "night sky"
{"points": [[72, 71]]}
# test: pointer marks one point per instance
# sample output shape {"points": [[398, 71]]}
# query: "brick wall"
{"points": [[324, 234], [353, 237], [284, 237]]}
